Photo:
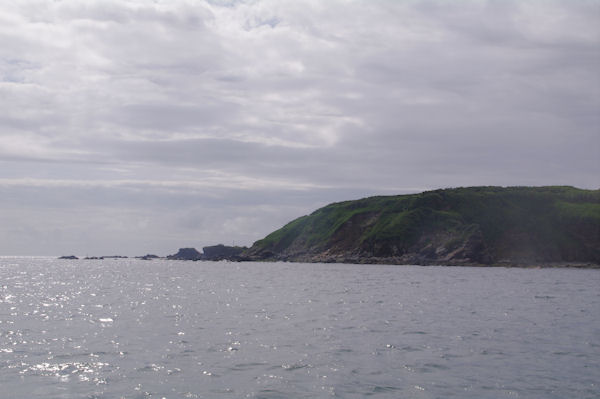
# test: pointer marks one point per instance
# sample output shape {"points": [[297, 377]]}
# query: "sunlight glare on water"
{"points": [[169, 329]]}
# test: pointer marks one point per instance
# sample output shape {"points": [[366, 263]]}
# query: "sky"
{"points": [[136, 126]]}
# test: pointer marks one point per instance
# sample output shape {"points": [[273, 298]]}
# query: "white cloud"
{"points": [[313, 99]]}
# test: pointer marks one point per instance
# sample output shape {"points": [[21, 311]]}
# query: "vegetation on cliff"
{"points": [[475, 225]]}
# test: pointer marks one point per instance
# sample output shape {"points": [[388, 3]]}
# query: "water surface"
{"points": [[169, 329]]}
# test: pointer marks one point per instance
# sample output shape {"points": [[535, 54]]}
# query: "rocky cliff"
{"points": [[214, 253], [463, 226], [222, 252], [186, 254]]}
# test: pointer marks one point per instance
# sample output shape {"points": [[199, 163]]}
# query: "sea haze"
{"points": [[170, 329]]}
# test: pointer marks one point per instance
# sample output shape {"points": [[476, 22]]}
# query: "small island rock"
{"points": [[222, 252], [186, 254]]}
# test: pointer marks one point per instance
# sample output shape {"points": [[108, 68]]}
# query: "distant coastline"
{"points": [[382, 261], [554, 226], [488, 226]]}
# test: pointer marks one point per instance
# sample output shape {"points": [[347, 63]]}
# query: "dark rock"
{"points": [[147, 257], [69, 257], [222, 252], [186, 254]]}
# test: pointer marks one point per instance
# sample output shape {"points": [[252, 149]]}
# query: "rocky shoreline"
{"points": [[416, 260], [551, 226], [240, 254], [209, 253]]}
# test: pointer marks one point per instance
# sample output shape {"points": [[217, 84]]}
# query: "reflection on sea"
{"points": [[153, 329]]}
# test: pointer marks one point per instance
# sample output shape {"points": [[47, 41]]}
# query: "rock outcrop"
{"points": [[212, 253], [222, 252], [186, 254]]}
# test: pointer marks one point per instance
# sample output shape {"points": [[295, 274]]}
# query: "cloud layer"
{"points": [[133, 126]]}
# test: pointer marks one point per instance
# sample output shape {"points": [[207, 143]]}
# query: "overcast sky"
{"points": [[129, 127]]}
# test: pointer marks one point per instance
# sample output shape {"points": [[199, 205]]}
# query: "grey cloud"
{"points": [[94, 220], [168, 117], [269, 109]]}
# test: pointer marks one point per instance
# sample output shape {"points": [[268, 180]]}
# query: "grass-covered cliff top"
{"points": [[555, 223]]}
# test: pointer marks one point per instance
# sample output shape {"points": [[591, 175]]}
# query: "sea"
{"points": [[129, 328]]}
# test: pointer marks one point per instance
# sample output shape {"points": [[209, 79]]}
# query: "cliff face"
{"points": [[464, 226]]}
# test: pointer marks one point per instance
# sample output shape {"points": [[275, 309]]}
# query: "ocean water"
{"points": [[125, 328]]}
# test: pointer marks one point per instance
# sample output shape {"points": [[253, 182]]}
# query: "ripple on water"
{"points": [[386, 389], [295, 366], [174, 329], [246, 366], [414, 333], [84, 371]]}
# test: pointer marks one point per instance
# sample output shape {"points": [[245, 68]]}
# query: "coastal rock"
{"points": [[186, 254], [222, 252], [69, 257]]}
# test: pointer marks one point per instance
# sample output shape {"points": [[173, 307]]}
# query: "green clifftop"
{"points": [[461, 226]]}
